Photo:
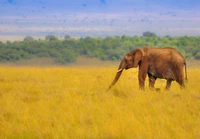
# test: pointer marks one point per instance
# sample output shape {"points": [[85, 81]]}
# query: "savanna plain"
{"points": [[72, 102]]}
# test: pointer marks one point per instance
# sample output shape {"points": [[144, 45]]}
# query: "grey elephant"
{"points": [[165, 63]]}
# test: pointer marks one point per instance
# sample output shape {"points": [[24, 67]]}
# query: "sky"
{"points": [[81, 18]]}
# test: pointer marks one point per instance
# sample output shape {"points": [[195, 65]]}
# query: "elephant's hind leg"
{"points": [[179, 75], [181, 83]]}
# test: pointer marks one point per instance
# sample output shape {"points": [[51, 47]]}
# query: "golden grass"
{"points": [[64, 102]]}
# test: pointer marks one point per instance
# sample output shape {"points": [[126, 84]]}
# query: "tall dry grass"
{"points": [[64, 102]]}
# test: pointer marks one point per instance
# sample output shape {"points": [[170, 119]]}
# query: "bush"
{"points": [[109, 48]]}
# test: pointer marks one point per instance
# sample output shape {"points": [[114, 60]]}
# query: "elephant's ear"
{"points": [[137, 57]]}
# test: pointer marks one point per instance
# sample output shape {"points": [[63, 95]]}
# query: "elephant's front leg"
{"points": [[141, 83], [141, 78], [152, 80], [168, 85]]}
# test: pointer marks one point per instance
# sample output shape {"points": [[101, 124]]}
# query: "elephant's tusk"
{"points": [[119, 70]]}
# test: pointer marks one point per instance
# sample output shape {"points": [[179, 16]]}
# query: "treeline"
{"points": [[109, 48]]}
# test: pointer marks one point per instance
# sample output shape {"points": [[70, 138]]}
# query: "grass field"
{"points": [[72, 102]]}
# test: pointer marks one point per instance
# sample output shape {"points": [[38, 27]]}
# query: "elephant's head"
{"points": [[131, 60]]}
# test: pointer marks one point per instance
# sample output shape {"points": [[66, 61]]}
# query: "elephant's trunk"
{"points": [[118, 74]]}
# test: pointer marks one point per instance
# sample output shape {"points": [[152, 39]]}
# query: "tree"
{"points": [[149, 34], [108, 48], [28, 39], [67, 37], [51, 38]]}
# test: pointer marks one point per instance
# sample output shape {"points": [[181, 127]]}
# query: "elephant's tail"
{"points": [[185, 72]]}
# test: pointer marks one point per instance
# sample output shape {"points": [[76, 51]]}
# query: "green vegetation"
{"points": [[108, 48]]}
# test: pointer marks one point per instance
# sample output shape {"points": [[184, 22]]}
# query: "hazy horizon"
{"points": [[99, 18]]}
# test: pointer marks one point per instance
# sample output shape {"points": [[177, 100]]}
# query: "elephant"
{"points": [[165, 63]]}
